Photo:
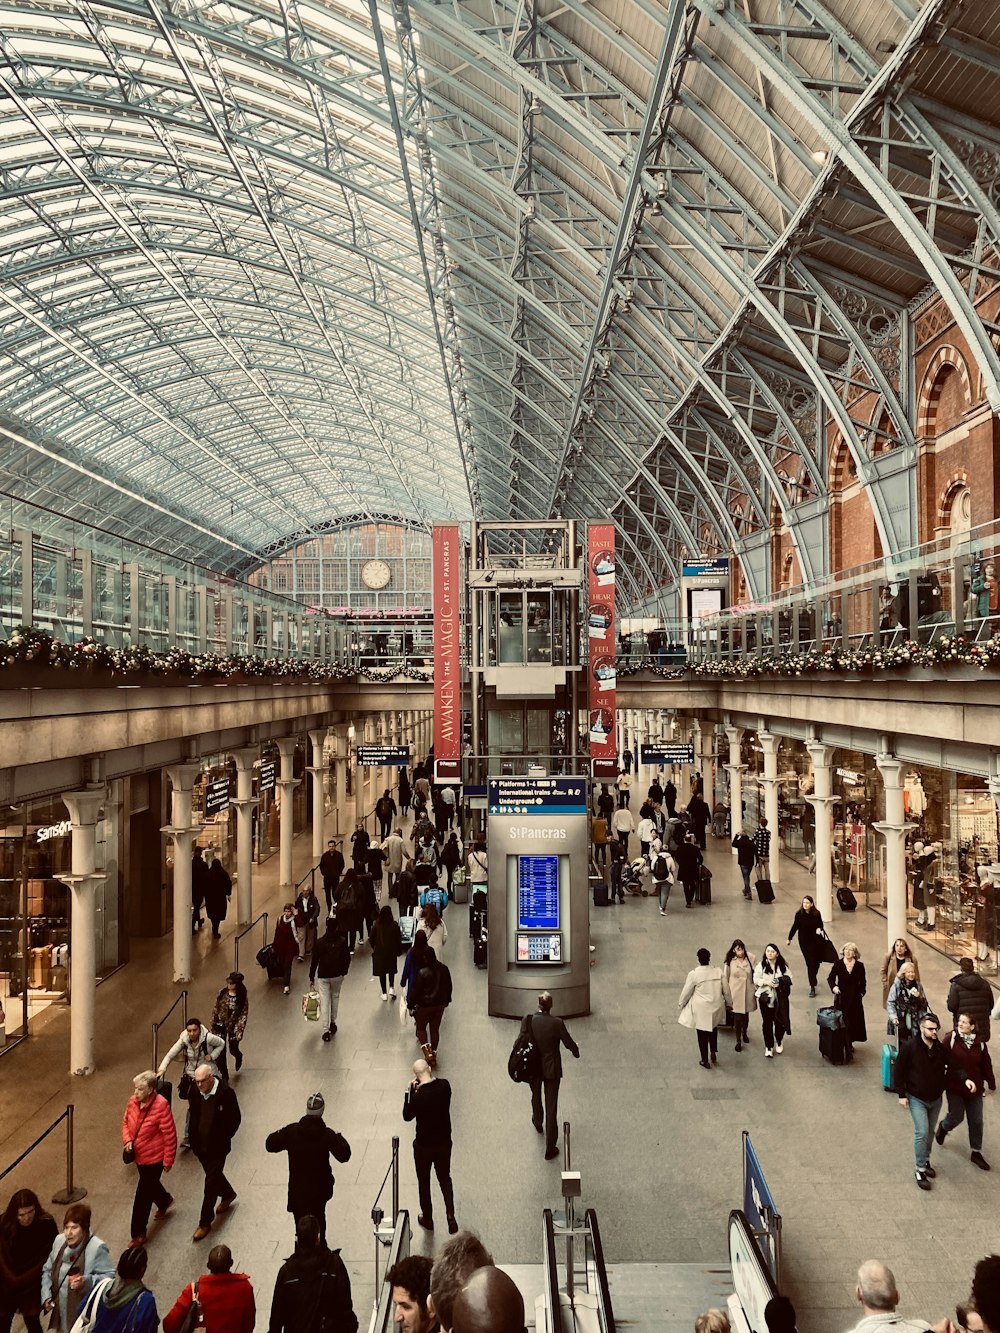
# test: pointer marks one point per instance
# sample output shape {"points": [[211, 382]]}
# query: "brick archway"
{"points": [[944, 359], [956, 487]]}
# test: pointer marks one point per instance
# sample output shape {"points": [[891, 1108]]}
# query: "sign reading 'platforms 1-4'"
{"points": [[447, 555], [383, 756], [678, 753]]}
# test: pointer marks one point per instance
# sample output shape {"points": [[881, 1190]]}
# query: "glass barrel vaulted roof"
{"points": [[268, 264]]}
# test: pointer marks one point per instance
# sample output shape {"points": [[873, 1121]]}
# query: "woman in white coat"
{"points": [[708, 992]]}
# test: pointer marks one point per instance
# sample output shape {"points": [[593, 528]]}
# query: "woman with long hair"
{"points": [[432, 924], [808, 925], [848, 982], [773, 981], [899, 954], [229, 1017], [26, 1235], [737, 968], [386, 942]]}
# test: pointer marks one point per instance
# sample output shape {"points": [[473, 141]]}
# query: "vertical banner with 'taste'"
{"points": [[602, 727], [447, 555]]}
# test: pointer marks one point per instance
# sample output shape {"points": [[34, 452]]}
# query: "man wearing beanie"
{"points": [[310, 1143]]}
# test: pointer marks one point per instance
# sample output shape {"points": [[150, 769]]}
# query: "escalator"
{"points": [[576, 1299]]}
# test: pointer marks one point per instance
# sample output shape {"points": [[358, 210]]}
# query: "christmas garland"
{"points": [[44, 652]]}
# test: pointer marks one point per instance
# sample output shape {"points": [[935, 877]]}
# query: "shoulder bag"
{"points": [[128, 1154], [525, 1062], [193, 1316]]}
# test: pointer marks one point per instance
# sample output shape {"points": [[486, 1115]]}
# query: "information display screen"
{"points": [[537, 893], [539, 948]]}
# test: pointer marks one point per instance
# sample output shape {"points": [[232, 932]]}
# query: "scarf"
{"points": [[121, 1292]]}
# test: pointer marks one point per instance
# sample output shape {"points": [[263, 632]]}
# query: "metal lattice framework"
{"points": [[267, 264]]}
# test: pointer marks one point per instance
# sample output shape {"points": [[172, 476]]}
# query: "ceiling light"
{"points": [[820, 156]]}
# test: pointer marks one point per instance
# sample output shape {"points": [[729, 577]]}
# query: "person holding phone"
{"points": [[76, 1262]]}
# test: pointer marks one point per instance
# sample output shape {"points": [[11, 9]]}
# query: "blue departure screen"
{"points": [[538, 892]]}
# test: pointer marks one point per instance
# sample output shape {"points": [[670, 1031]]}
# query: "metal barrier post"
{"points": [[246, 931], [182, 999], [395, 1178], [72, 1193]]}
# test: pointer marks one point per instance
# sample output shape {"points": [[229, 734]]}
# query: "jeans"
{"points": [[924, 1116], [708, 1042], [745, 872], [329, 1001], [961, 1106], [771, 1023], [664, 887], [216, 1185], [428, 1017], [551, 1122], [438, 1156], [147, 1192]]}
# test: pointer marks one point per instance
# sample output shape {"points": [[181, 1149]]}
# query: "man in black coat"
{"points": [[199, 887], [971, 994], [331, 867], [548, 1033], [428, 1102], [670, 798], [920, 1078], [312, 1290], [310, 1143], [215, 1118]]}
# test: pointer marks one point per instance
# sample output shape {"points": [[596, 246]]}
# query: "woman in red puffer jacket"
{"points": [[148, 1131]]}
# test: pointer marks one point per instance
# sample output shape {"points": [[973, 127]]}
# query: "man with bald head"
{"points": [[490, 1302], [878, 1296], [428, 1102], [215, 1118]]}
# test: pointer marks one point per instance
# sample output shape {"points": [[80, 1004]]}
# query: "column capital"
{"points": [[83, 806], [246, 756], [288, 784], [318, 736], [900, 831], [182, 776], [891, 769], [819, 753], [733, 734], [180, 832], [768, 742], [286, 745], [735, 768]]}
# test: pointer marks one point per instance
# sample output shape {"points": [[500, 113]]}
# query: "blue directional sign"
{"points": [[383, 756], [667, 754], [537, 796]]}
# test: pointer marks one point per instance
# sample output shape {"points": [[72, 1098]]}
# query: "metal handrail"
{"points": [[72, 1193], [378, 1213], [156, 1026], [551, 1270], [600, 1270], [246, 931], [399, 1248]]}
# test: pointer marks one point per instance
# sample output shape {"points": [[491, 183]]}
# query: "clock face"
{"points": [[375, 573]]}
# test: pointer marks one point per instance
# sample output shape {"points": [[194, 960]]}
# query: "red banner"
{"points": [[447, 555], [602, 726]]}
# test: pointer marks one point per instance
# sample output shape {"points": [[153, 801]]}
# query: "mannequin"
{"points": [[922, 871]]}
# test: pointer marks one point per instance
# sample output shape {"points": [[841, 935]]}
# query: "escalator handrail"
{"points": [[601, 1269], [551, 1272], [399, 1248]]}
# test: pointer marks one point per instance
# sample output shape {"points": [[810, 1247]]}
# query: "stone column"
{"points": [[685, 733], [821, 801], [244, 804], [318, 774], [183, 832], [342, 813], [894, 829], [735, 769], [83, 807], [769, 744], [357, 784], [706, 762], [286, 784]]}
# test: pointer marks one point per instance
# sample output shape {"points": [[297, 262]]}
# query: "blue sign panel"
{"points": [[667, 754], [538, 892], [383, 756], [537, 796], [716, 567], [760, 1209]]}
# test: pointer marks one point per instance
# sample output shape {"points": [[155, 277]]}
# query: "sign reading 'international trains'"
{"points": [[383, 756], [667, 754], [216, 796], [537, 796]]}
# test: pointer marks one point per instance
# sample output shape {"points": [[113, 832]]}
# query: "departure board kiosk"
{"points": [[539, 904]]}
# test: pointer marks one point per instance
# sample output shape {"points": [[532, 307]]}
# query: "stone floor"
{"points": [[656, 1137]]}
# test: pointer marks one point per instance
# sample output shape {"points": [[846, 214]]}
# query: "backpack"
{"points": [[430, 987], [661, 867], [340, 956], [525, 1062]]}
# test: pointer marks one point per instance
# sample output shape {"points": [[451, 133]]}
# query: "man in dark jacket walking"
{"points": [[973, 995], [310, 1143], [428, 1102], [215, 1118], [746, 859], [331, 867], [312, 1290], [921, 1074], [548, 1033], [331, 961]]}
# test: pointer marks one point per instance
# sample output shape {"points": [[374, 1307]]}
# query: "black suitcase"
{"points": [[600, 892], [165, 1089], [847, 900], [479, 951], [765, 893], [705, 887], [833, 1045]]}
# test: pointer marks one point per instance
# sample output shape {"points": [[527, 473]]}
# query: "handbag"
{"points": [[184, 1086], [193, 1316], [525, 1061], [458, 876], [403, 1010], [686, 1016], [128, 1154], [86, 1318]]}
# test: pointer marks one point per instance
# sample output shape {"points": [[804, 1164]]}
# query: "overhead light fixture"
{"points": [[820, 156], [657, 208]]}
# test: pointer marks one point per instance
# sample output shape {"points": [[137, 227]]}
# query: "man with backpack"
{"points": [[664, 871], [331, 961], [312, 1292], [430, 996]]}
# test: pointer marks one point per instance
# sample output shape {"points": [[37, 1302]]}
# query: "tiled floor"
{"points": [[657, 1138]]}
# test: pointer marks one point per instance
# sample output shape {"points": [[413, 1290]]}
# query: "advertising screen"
{"points": [[538, 893], [539, 948]]}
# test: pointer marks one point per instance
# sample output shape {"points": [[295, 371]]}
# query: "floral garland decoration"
{"points": [[39, 648]]}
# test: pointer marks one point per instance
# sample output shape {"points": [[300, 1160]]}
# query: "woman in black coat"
{"points": [[689, 862], [27, 1232], [807, 924], [848, 982]]}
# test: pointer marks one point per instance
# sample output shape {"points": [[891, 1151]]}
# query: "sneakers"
{"points": [[812, 992], [930, 1172], [161, 1213], [328, 1036], [392, 995], [768, 1054], [285, 991], [921, 1178], [662, 912], [939, 1136], [383, 997], [980, 1161], [778, 1047]]}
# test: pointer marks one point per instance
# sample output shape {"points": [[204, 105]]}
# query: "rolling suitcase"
{"points": [[600, 892], [833, 1044], [705, 887], [847, 900], [479, 951], [765, 893], [888, 1067]]}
